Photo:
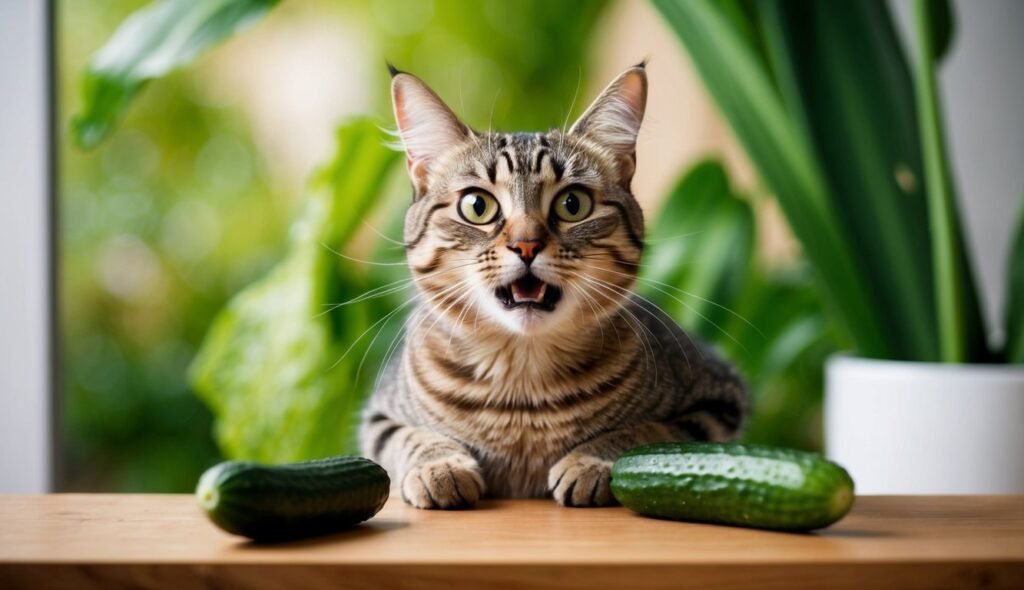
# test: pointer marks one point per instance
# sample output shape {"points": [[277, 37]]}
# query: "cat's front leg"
{"points": [[430, 469], [442, 477], [583, 476]]}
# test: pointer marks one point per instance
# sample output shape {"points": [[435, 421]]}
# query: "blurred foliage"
{"points": [[961, 332], [152, 42], [150, 250], [173, 215], [293, 394], [281, 365], [699, 267], [822, 98], [176, 228], [490, 58], [1014, 324]]}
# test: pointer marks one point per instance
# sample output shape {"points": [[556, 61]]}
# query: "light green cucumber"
{"points": [[736, 484]]}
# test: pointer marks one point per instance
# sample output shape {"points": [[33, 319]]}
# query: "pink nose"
{"points": [[527, 249]]}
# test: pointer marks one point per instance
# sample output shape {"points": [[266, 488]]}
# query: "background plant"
{"points": [[849, 138], [169, 219], [164, 221]]}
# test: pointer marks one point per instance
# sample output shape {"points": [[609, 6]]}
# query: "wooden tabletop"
{"points": [[85, 541]]}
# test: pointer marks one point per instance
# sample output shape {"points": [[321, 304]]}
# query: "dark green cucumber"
{"points": [[744, 485], [277, 502]]}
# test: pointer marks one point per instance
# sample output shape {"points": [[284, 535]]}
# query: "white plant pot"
{"points": [[926, 428]]}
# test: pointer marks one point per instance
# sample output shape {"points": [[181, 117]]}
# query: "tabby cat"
{"points": [[529, 365]]}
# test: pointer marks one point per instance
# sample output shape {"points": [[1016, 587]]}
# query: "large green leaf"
{"points": [[845, 82], [745, 92], [783, 359], [155, 40], [280, 366], [699, 250], [1015, 294], [943, 28], [961, 334]]}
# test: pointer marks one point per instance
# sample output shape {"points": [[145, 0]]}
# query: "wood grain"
{"points": [[163, 541]]}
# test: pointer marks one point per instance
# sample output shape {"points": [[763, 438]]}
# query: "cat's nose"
{"points": [[527, 250]]}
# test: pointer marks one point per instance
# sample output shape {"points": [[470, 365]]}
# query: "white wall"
{"points": [[24, 249]]}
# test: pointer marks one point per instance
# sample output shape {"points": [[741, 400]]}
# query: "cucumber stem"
{"points": [[206, 492]]}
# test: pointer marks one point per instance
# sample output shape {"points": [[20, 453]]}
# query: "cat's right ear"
{"points": [[427, 127]]}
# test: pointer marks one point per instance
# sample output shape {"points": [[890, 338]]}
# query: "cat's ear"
{"points": [[427, 127], [613, 119]]}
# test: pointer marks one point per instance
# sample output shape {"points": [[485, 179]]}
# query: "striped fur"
{"points": [[528, 402]]}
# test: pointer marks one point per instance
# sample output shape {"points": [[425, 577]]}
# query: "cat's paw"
{"points": [[446, 483], [580, 480]]}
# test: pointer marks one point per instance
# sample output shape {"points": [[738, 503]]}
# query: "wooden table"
{"points": [[88, 542]]}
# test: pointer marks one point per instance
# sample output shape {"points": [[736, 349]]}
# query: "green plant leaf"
{"points": [[845, 81], [745, 93], [699, 250], [280, 366], [784, 361], [943, 28], [958, 317], [150, 43], [1015, 294]]}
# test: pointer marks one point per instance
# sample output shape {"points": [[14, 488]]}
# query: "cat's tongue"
{"points": [[528, 288]]}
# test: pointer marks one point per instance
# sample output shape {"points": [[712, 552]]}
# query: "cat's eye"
{"points": [[478, 207], [573, 205]]}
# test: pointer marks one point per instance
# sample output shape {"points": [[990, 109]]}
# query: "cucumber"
{"points": [[279, 502], [744, 485]]}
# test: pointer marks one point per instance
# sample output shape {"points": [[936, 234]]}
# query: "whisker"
{"points": [[372, 326], [689, 294], [672, 238], [458, 322], [404, 331], [370, 345], [374, 293], [435, 301], [383, 235], [591, 302], [704, 317], [648, 348], [393, 346], [347, 257], [490, 121], [457, 299], [373, 263], [388, 289], [572, 105], [626, 293], [709, 302], [366, 351]]}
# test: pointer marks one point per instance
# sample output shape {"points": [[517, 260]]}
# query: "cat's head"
{"points": [[531, 232]]}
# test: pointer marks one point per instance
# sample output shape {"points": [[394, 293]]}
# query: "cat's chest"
{"points": [[513, 433], [508, 414]]}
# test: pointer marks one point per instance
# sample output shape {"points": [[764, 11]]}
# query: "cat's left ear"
{"points": [[613, 119]]}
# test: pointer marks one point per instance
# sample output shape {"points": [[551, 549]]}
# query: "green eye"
{"points": [[478, 207], [573, 205]]}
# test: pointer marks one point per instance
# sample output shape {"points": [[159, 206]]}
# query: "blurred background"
{"points": [[192, 198]]}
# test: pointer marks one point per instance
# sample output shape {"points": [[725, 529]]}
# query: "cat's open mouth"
{"points": [[529, 291]]}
